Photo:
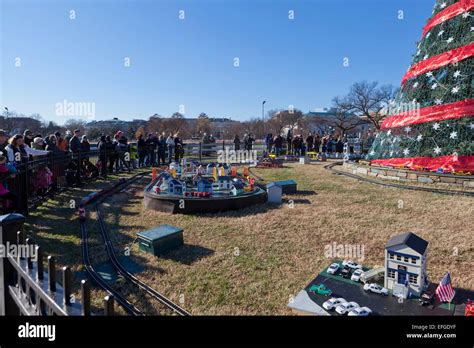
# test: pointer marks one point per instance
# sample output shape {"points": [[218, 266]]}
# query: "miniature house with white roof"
{"points": [[405, 265]]}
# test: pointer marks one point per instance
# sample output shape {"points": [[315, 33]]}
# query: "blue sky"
{"points": [[190, 62]]}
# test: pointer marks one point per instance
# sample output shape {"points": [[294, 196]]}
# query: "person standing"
{"points": [[236, 143], [310, 141], [102, 148], [317, 143], [162, 149], [269, 142], [278, 143], [75, 143], [170, 145], [142, 150], [178, 149], [111, 147], [289, 141]]}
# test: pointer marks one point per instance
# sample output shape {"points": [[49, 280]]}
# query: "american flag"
{"points": [[445, 291]]}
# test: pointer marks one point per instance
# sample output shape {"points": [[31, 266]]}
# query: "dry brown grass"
{"points": [[251, 261]]}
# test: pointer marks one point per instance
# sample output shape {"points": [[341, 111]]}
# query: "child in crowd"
{"points": [[7, 171]]}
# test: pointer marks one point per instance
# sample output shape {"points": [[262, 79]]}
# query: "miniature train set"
{"points": [[196, 188]]}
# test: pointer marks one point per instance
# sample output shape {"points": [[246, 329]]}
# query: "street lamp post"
{"points": [[263, 110]]}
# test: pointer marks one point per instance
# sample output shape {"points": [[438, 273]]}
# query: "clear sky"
{"points": [[190, 62]]}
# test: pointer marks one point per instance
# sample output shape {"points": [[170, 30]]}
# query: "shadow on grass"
{"points": [[187, 254], [303, 193]]}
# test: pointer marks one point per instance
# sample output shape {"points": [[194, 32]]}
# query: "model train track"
{"points": [[331, 166], [130, 308]]}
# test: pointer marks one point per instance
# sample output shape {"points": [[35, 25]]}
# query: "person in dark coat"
{"points": [[310, 141], [102, 148], [236, 143], [142, 150], [162, 149], [111, 152], [278, 143], [269, 142], [75, 143], [317, 143], [178, 149], [28, 137]]}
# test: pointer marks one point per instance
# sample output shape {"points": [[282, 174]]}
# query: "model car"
{"points": [[333, 268], [360, 312], [376, 289], [320, 289], [356, 275], [346, 307], [346, 272], [351, 264], [426, 299], [333, 302]]}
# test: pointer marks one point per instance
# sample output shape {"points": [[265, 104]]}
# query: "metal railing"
{"points": [[26, 288]]}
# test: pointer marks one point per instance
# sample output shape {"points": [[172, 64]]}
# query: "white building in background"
{"points": [[405, 265]]}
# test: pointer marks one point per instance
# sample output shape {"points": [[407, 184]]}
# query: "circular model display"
{"points": [[195, 188]]}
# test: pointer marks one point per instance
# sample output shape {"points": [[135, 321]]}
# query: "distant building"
{"points": [[405, 265]]}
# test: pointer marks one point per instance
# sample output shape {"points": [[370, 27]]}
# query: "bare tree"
{"points": [[369, 100], [73, 124], [344, 120], [153, 124], [203, 125], [280, 119]]}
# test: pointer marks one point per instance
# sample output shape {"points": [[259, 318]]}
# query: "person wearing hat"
{"points": [[85, 146], [38, 143], [28, 137]]}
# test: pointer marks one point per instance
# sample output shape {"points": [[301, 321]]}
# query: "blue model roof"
{"points": [[238, 186]]}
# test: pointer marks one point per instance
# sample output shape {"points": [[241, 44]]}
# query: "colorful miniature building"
{"points": [[204, 185], [237, 189], [224, 182], [405, 265], [176, 187]]}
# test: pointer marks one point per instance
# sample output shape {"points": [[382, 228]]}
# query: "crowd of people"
{"points": [[68, 156], [297, 146], [68, 159]]}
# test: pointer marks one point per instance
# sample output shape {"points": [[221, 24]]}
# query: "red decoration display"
{"points": [[452, 163], [440, 60], [448, 13], [432, 113]]}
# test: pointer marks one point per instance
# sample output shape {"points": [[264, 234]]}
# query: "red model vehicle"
{"points": [[469, 310]]}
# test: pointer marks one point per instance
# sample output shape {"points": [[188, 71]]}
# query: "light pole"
{"points": [[263, 110]]}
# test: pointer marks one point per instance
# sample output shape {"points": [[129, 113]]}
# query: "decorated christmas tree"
{"points": [[431, 121]]}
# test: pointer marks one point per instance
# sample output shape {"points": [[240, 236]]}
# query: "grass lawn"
{"points": [[253, 260]]}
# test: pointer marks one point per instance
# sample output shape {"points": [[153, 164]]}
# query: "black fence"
{"points": [[26, 288]]}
